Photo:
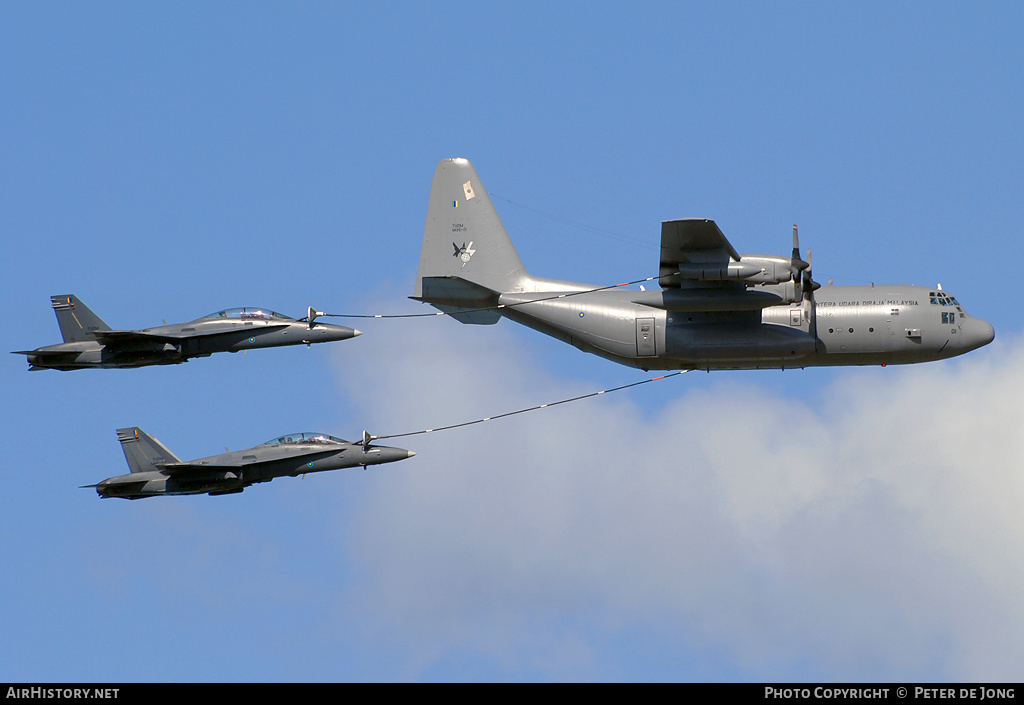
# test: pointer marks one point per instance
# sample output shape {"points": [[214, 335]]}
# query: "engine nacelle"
{"points": [[750, 269], [773, 269]]}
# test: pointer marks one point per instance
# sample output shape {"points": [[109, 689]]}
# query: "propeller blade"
{"points": [[796, 264], [810, 310], [809, 285]]}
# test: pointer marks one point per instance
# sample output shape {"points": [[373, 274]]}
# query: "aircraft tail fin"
{"points": [[77, 322], [143, 452], [467, 257]]}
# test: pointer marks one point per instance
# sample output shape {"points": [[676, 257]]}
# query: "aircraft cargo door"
{"points": [[645, 345]]}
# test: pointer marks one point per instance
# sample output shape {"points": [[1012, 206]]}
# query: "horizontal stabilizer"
{"points": [[487, 317], [49, 354], [453, 294], [456, 291]]}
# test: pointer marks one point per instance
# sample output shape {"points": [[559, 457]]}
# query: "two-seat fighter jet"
{"points": [[717, 309], [89, 342], [156, 471]]}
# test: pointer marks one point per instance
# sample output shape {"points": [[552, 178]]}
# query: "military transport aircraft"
{"points": [[89, 342], [156, 471], [716, 309]]}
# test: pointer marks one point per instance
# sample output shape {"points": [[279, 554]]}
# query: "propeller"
{"points": [[796, 264], [808, 287]]}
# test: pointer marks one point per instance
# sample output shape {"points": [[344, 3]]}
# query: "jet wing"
{"points": [[133, 339], [691, 241], [186, 468], [241, 459], [192, 471]]}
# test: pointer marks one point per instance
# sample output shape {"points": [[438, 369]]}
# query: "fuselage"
{"points": [[232, 330], [232, 472], [715, 309], [849, 325]]}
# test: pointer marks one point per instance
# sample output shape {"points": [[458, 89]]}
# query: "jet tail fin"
{"points": [[143, 452], [77, 322], [464, 241]]}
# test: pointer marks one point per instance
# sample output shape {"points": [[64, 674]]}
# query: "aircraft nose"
{"points": [[978, 333], [340, 332], [390, 455]]}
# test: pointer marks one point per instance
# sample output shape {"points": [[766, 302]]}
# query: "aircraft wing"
{"points": [[193, 468], [702, 272], [241, 459], [691, 241], [133, 339]]}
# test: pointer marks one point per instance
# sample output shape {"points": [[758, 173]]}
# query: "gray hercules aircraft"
{"points": [[89, 342], [156, 471], [716, 309]]}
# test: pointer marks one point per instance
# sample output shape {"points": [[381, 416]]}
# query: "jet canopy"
{"points": [[248, 314], [305, 439]]}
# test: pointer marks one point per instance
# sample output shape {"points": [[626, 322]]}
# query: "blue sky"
{"points": [[166, 161]]}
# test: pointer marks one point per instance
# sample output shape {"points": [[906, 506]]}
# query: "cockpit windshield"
{"points": [[305, 439], [248, 314], [942, 298]]}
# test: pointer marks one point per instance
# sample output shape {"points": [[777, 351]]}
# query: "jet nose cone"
{"points": [[384, 454], [331, 333]]}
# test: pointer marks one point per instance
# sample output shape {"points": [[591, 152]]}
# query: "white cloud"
{"points": [[874, 537]]}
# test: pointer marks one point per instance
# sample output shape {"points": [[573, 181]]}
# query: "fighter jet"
{"points": [[717, 309], [156, 471], [89, 342]]}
